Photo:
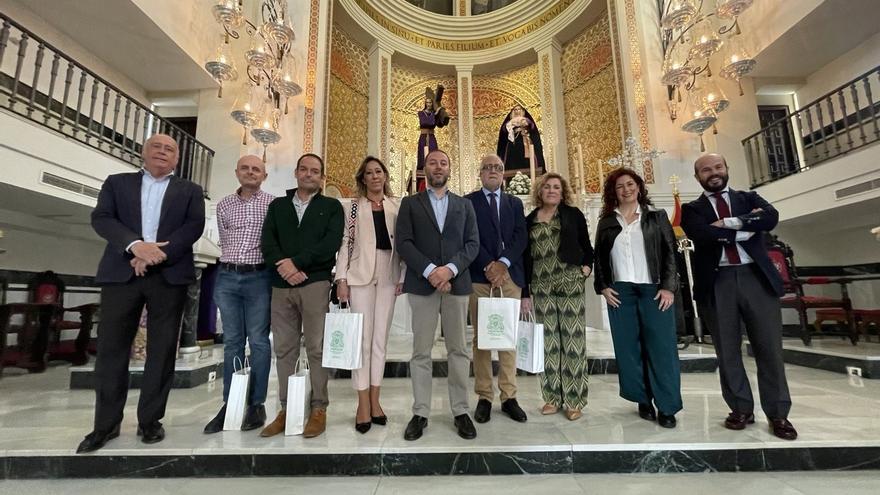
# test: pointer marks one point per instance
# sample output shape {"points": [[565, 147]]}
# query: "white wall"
{"points": [[43, 29], [33, 250], [848, 66]]}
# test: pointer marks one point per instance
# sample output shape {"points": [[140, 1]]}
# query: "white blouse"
{"points": [[628, 259]]}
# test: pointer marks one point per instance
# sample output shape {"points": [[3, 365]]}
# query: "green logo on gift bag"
{"points": [[337, 344], [523, 347], [496, 326]]}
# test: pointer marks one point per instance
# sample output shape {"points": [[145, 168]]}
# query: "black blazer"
{"points": [[659, 249], [420, 242], [117, 218], [696, 218], [513, 235], [574, 242]]}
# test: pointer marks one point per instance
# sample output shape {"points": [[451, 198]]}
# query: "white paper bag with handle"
{"points": [[343, 336], [496, 322], [238, 393], [530, 345], [299, 399]]}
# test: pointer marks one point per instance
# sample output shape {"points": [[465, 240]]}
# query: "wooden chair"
{"points": [[783, 259]]}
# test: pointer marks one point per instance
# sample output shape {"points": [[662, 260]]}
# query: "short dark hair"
{"points": [[312, 155], [438, 150]]}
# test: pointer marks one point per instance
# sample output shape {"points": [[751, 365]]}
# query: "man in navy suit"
{"points": [[499, 264], [735, 282], [150, 220]]}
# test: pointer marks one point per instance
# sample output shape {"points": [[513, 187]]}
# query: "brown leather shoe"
{"points": [[276, 426], [783, 429], [573, 414], [738, 421], [317, 423]]}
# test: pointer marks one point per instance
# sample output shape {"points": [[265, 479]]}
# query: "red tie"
{"points": [[724, 212]]}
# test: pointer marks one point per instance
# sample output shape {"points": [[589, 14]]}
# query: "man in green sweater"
{"points": [[301, 234]]}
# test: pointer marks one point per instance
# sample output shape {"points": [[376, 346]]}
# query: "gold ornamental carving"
{"points": [[453, 45]]}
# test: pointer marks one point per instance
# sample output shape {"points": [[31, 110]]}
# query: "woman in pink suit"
{"points": [[368, 276]]}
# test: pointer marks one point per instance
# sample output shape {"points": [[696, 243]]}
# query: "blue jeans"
{"points": [[244, 301]]}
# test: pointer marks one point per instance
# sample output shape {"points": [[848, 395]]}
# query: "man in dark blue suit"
{"points": [[150, 220], [735, 282], [499, 264]]}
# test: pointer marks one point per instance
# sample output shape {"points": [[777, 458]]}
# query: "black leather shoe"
{"points": [[95, 440], [646, 411], [465, 427], [254, 417], [512, 409], [380, 420], [414, 427], [483, 412], [216, 424], [152, 433], [363, 427], [666, 421], [738, 421], [783, 429]]}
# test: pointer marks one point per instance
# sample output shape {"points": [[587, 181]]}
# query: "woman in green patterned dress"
{"points": [[557, 263]]}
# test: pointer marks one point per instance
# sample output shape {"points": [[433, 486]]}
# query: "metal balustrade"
{"points": [[843, 120], [44, 85]]}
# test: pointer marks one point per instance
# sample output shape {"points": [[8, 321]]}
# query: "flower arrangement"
{"points": [[519, 185]]}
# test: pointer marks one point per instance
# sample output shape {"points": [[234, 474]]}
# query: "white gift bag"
{"points": [[299, 399], [238, 392], [343, 336], [530, 345], [496, 322]]}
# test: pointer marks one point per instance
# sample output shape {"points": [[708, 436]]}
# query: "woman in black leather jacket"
{"points": [[636, 273]]}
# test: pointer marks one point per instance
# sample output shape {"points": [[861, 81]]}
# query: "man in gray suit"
{"points": [[437, 238]]}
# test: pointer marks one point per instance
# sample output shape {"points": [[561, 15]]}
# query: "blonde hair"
{"points": [[567, 192]]}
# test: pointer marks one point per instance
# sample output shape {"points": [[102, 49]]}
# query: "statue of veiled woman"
{"points": [[519, 142]]}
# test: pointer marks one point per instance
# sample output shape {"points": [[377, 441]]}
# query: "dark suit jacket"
{"points": [[696, 219], [420, 242], [117, 218], [513, 235]]}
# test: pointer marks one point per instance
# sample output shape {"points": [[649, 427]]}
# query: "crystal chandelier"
{"points": [[271, 68], [633, 157], [697, 39]]}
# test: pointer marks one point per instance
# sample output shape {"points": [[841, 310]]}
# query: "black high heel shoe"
{"points": [[380, 420], [363, 427]]}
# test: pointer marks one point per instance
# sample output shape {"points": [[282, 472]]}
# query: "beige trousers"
{"points": [[296, 313], [376, 302], [483, 359]]}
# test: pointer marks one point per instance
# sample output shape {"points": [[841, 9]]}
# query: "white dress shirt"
{"points": [[628, 260], [732, 223], [152, 193], [300, 205]]}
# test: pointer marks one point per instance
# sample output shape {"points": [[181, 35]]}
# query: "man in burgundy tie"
{"points": [[735, 283]]}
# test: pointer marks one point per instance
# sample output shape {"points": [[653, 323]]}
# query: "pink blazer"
{"points": [[359, 270]]}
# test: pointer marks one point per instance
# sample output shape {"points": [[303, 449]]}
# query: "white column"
{"points": [[379, 111], [553, 117], [317, 89], [465, 167], [461, 7]]}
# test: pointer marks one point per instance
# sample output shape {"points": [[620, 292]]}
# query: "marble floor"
{"points": [[41, 417], [837, 347], [782, 483]]}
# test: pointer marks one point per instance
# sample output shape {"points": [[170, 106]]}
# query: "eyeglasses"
{"points": [[492, 168]]}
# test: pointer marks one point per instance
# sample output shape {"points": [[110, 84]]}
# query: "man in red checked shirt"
{"points": [[244, 291]]}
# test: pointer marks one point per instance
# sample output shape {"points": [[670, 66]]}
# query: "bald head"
{"points": [[711, 171], [491, 172], [160, 154], [251, 172]]}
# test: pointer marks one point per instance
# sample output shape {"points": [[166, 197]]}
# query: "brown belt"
{"points": [[427, 131]]}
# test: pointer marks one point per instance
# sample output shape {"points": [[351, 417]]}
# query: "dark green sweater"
{"points": [[310, 243]]}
